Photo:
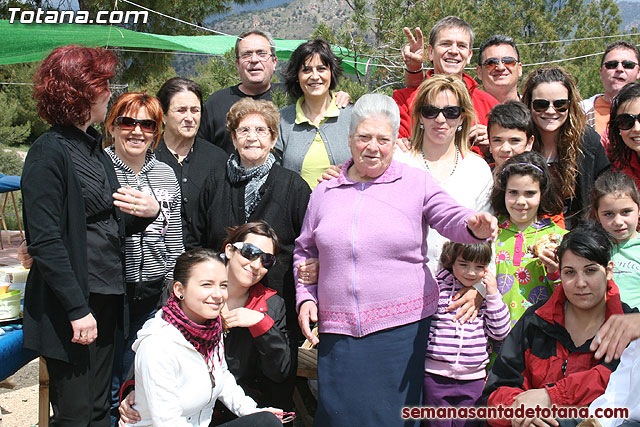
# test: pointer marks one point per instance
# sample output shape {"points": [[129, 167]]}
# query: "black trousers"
{"points": [[79, 393]]}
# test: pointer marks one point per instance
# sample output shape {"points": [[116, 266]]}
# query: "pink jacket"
{"points": [[370, 239]]}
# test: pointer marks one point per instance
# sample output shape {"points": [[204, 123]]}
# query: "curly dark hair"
{"points": [[569, 140], [69, 80], [532, 164], [618, 151], [299, 58]]}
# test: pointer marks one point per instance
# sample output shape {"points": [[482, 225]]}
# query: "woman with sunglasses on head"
{"points": [[133, 125], [75, 233], [313, 132], [624, 131], [443, 114], [254, 188], [572, 149], [180, 358]]}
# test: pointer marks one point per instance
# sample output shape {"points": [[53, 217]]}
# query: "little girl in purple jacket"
{"points": [[457, 353]]}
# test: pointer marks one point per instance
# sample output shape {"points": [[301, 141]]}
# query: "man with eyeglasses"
{"points": [[450, 50], [619, 66], [256, 62], [499, 67]]}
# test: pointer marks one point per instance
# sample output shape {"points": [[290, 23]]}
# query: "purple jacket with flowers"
{"points": [[370, 239]]}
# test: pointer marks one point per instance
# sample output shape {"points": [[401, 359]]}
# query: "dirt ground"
{"points": [[20, 405]]}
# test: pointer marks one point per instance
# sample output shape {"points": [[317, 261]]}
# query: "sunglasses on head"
{"points": [[129, 123], [252, 252], [542, 105], [627, 121], [449, 112], [508, 61], [613, 64]]}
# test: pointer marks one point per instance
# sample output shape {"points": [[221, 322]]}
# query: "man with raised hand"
{"points": [[449, 50]]}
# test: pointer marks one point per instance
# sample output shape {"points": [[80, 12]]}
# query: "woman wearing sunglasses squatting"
{"points": [[251, 188], [256, 345], [624, 131], [572, 149], [133, 127], [442, 117]]}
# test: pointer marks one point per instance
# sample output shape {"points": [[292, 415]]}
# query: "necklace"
{"points": [[455, 163]]}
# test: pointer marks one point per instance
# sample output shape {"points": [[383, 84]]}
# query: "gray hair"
{"points": [[375, 104], [450, 22], [265, 34]]}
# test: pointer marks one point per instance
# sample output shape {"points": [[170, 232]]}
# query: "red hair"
{"points": [[69, 80], [130, 103]]}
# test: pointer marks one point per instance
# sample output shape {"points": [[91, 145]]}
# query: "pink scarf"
{"points": [[204, 338]]}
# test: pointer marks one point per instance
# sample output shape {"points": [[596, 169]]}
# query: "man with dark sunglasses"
{"points": [[449, 50], [619, 66], [499, 67]]}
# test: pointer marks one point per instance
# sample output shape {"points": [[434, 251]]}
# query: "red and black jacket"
{"points": [[539, 353]]}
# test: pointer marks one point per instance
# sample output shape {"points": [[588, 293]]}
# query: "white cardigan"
{"points": [[470, 185], [173, 384]]}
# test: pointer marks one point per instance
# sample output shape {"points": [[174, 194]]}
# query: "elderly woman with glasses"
{"points": [[251, 188], [572, 149], [375, 294]]}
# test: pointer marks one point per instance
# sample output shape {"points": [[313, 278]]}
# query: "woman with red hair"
{"points": [[76, 218], [134, 127]]}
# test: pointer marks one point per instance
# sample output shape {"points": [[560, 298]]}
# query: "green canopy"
{"points": [[32, 42]]}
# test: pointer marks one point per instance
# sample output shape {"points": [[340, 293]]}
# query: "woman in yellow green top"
{"points": [[313, 132], [524, 197]]}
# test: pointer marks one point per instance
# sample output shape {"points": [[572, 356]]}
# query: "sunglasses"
{"points": [[449, 112], [252, 252], [613, 64], [627, 121], [508, 61], [542, 105], [129, 123]]}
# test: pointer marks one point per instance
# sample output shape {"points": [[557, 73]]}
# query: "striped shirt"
{"points": [[152, 253], [460, 351]]}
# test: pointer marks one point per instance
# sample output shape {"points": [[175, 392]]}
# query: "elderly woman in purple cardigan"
{"points": [[375, 294]]}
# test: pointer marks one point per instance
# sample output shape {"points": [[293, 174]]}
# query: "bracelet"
{"points": [[414, 72]]}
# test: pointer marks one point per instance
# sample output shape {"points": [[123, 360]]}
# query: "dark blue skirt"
{"points": [[367, 381]]}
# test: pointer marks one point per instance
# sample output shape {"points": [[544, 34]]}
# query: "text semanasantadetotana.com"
{"points": [[41, 16], [508, 412]]}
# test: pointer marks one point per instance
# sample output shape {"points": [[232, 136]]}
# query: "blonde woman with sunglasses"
{"points": [[573, 151]]}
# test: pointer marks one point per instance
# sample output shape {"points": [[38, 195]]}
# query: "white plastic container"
{"points": [[10, 305]]}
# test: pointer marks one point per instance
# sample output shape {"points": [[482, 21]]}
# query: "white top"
{"points": [[470, 185], [623, 390], [174, 387]]}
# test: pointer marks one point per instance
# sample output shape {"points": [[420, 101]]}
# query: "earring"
{"points": [[421, 126], [181, 297], [459, 128]]}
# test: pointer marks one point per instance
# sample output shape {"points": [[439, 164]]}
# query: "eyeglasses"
{"points": [[252, 252], [542, 105], [261, 54], [627, 121], [449, 112], [613, 64], [129, 123], [245, 131], [508, 61]]}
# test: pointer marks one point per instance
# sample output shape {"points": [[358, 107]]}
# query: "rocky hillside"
{"points": [[294, 20]]}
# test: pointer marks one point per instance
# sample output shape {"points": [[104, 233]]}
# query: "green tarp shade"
{"points": [[32, 42]]}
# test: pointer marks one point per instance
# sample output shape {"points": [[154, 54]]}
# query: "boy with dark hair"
{"points": [[510, 131]]}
